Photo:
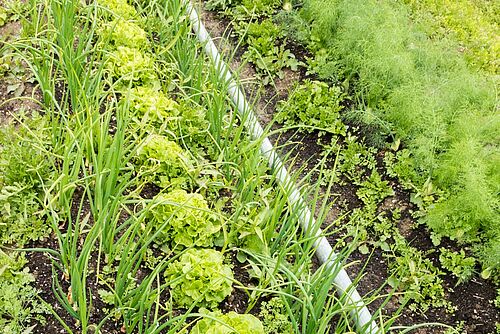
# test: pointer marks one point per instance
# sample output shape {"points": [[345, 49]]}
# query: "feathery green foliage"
{"points": [[445, 113], [19, 303], [473, 23], [25, 168], [120, 148]]}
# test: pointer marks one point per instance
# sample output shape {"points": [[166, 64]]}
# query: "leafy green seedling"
{"points": [[314, 104], [461, 266]]}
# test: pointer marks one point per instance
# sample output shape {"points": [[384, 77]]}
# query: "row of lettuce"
{"points": [[181, 219], [392, 99], [135, 173], [406, 85]]}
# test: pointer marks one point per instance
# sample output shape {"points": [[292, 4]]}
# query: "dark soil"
{"points": [[40, 265]]}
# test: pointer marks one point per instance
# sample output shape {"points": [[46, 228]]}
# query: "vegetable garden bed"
{"points": [[134, 201]]}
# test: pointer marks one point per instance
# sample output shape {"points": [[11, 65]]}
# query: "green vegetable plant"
{"points": [[117, 8], [163, 162], [355, 157], [19, 303], [152, 105], [229, 323], [3, 16], [24, 171], [256, 8], [185, 220], [124, 33], [199, 277], [474, 25], [275, 318], [414, 82], [132, 66], [313, 105], [108, 229], [412, 273], [218, 4], [267, 50], [13, 71], [401, 165], [373, 190], [461, 266], [12, 10]]}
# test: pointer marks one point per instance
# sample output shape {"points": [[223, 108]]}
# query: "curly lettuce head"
{"points": [[152, 104], [186, 220], [163, 162], [199, 277], [125, 33], [119, 8], [131, 65], [230, 323]]}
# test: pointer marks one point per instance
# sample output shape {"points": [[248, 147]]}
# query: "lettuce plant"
{"points": [[315, 104], [189, 220], [230, 323], [132, 65], [152, 104], [3, 16], [199, 277], [274, 317], [119, 8], [163, 162], [125, 33], [193, 126]]}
